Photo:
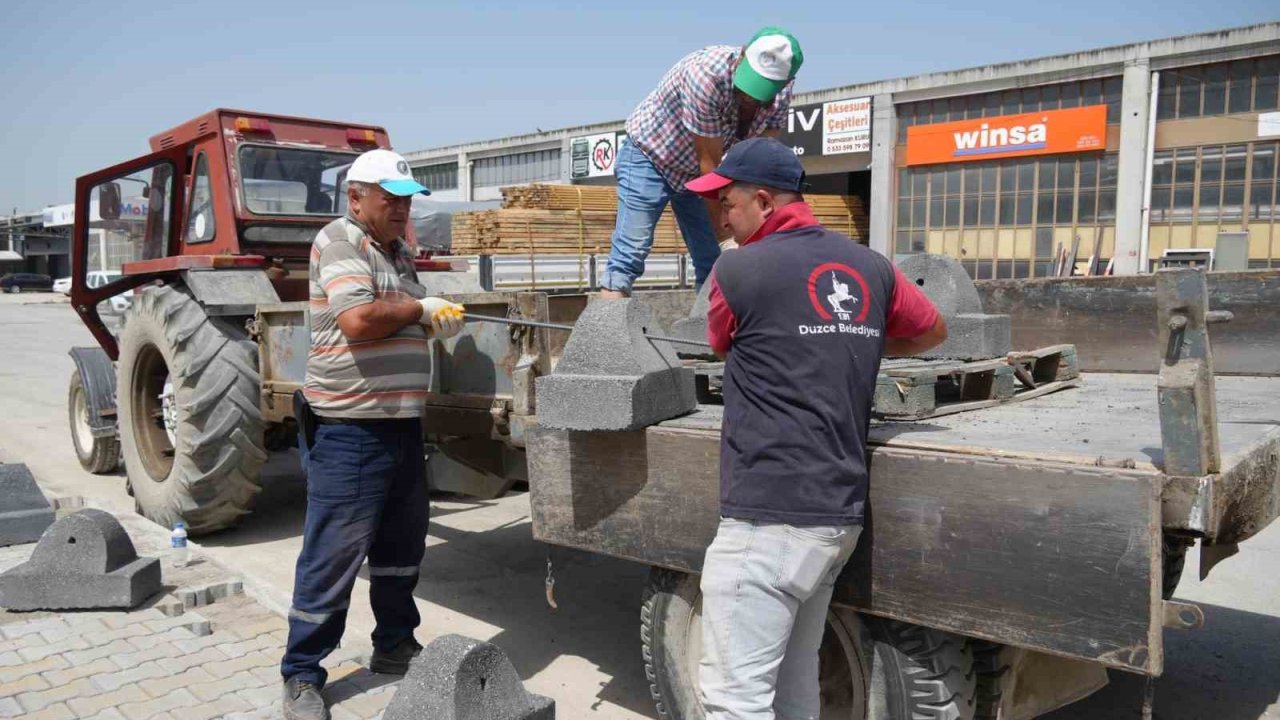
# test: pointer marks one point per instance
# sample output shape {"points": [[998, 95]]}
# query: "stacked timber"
{"points": [[579, 219]]}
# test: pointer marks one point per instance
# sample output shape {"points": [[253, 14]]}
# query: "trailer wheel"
{"points": [[190, 424], [98, 455], [869, 669]]}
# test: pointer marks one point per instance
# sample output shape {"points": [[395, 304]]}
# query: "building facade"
{"points": [[1119, 153]]}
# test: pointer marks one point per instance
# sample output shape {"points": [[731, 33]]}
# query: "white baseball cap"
{"points": [[387, 170], [771, 60]]}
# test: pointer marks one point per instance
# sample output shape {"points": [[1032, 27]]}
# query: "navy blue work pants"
{"points": [[366, 497]]}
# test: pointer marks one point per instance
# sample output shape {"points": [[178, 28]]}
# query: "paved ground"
{"points": [[483, 574]]}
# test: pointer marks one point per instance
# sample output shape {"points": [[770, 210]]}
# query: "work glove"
{"points": [[443, 317]]}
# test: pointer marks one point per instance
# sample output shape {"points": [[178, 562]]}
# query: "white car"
{"points": [[62, 285]]}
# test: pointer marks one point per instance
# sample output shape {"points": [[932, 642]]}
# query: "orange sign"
{"points": [[1038, 133]]}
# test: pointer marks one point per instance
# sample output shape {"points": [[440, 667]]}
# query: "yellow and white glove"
{"points": [[443, 317]]}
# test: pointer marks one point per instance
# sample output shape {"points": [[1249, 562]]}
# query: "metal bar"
{"points": [[568, 328]]}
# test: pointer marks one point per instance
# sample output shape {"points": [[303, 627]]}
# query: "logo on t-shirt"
{"points": [[840, 297]]}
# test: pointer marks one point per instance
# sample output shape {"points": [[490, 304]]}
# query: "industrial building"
{"points": [[1119, 153]]}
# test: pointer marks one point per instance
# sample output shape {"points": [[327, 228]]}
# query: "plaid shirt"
{"points": [[696, 97]]}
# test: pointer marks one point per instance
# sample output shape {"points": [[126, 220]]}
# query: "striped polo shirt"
{"points": [[372, 379]]}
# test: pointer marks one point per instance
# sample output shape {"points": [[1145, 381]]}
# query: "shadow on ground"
{"points": [[1224, 671]]}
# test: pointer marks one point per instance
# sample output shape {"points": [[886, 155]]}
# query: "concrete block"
{"points": [[458, 678], [971, 334], [82, 561], [974, 337], [24, 511], [944, 280], [694, 327], [612, 377]]}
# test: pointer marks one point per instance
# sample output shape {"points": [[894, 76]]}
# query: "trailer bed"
{"points": [[1037, 524], [1110, 420]]}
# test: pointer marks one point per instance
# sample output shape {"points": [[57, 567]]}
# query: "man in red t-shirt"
{"points": [[802, 315]]}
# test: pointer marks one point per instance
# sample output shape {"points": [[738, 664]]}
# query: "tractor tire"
{"points": [[870, 669], [190, 424], [98, 455]]}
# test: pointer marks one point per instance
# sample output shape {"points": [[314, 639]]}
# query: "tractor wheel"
{"points": [[190, 424], [98, 455], [869, 669]]}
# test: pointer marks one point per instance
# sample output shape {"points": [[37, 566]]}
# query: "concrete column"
{"points": [[1135, 104], [884, 137]]}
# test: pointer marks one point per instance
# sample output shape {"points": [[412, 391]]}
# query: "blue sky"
{"points": [[85, 84]]}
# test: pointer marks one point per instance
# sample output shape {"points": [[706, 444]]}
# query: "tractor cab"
{"points": [[226, 190]]}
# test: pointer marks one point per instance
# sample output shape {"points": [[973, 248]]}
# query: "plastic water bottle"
{"points": [[178, 544]]}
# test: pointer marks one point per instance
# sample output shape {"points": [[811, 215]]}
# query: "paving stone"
{"points": [[10, 708], [155, 652], [31, 683], [43, 650], [10, 658], [84, 560], [611, 377], [108, 714], [193, 643], [118, 620], [226, 686], [107, 682], [21, 629], [172, 701], [222, 707], [201, 659], [244, 647], [17, 672], [368, 705], [57, 711], [89, 654], [160, 686], [457, 678], [106, 703], [34, 701], [65, 674], [262, 697], [230, 666], [24, 511]]}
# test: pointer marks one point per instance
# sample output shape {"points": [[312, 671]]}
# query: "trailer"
{"points": [[1012, 555]]}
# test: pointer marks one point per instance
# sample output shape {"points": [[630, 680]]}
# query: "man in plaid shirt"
{"points": [[710, 100]]}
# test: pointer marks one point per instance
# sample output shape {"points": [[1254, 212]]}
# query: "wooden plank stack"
{"points": [[579, 219]]}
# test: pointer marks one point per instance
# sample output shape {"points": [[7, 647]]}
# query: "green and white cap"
{"points": [[770, 61]]}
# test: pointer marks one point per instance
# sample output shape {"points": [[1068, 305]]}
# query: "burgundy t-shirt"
{"points": [[802, 313]]}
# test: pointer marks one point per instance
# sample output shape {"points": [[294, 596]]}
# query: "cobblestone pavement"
{"points": [[193, 652]]}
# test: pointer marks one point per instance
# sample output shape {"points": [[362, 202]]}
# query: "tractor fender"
{"points": [[98, 377], [230, 291]]}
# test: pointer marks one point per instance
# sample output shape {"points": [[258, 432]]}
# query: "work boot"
{"points": [[396, 660], [302, 701]]}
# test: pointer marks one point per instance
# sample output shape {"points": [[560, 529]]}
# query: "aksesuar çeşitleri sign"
{"points": [[1047, 132], [831, 128]]}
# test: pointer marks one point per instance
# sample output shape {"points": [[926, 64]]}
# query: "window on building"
{"points": [[1218, 89], [440, 176], [517, 168]]}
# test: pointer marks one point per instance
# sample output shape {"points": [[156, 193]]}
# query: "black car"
{"points": [[17, 282]]}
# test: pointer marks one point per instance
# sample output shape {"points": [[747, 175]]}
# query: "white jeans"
{"points": [[765, 592]]}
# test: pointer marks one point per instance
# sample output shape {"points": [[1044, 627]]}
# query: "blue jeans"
{"points": [[366, 497], [765, 592], [642, 196]]}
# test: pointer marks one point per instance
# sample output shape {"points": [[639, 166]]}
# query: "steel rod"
{"points": [[568, 328]]}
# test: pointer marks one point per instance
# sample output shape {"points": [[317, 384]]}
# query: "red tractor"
{"points": [[214, 224]]}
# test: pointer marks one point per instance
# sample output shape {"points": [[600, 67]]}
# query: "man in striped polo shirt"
{"points": [[367, 376]]}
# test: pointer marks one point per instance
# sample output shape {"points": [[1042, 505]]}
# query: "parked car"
{"points": [[62, 285], [30, 282]]}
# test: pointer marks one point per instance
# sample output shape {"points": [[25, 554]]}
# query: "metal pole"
{"points": [[569, 328], [1144, 241]]}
